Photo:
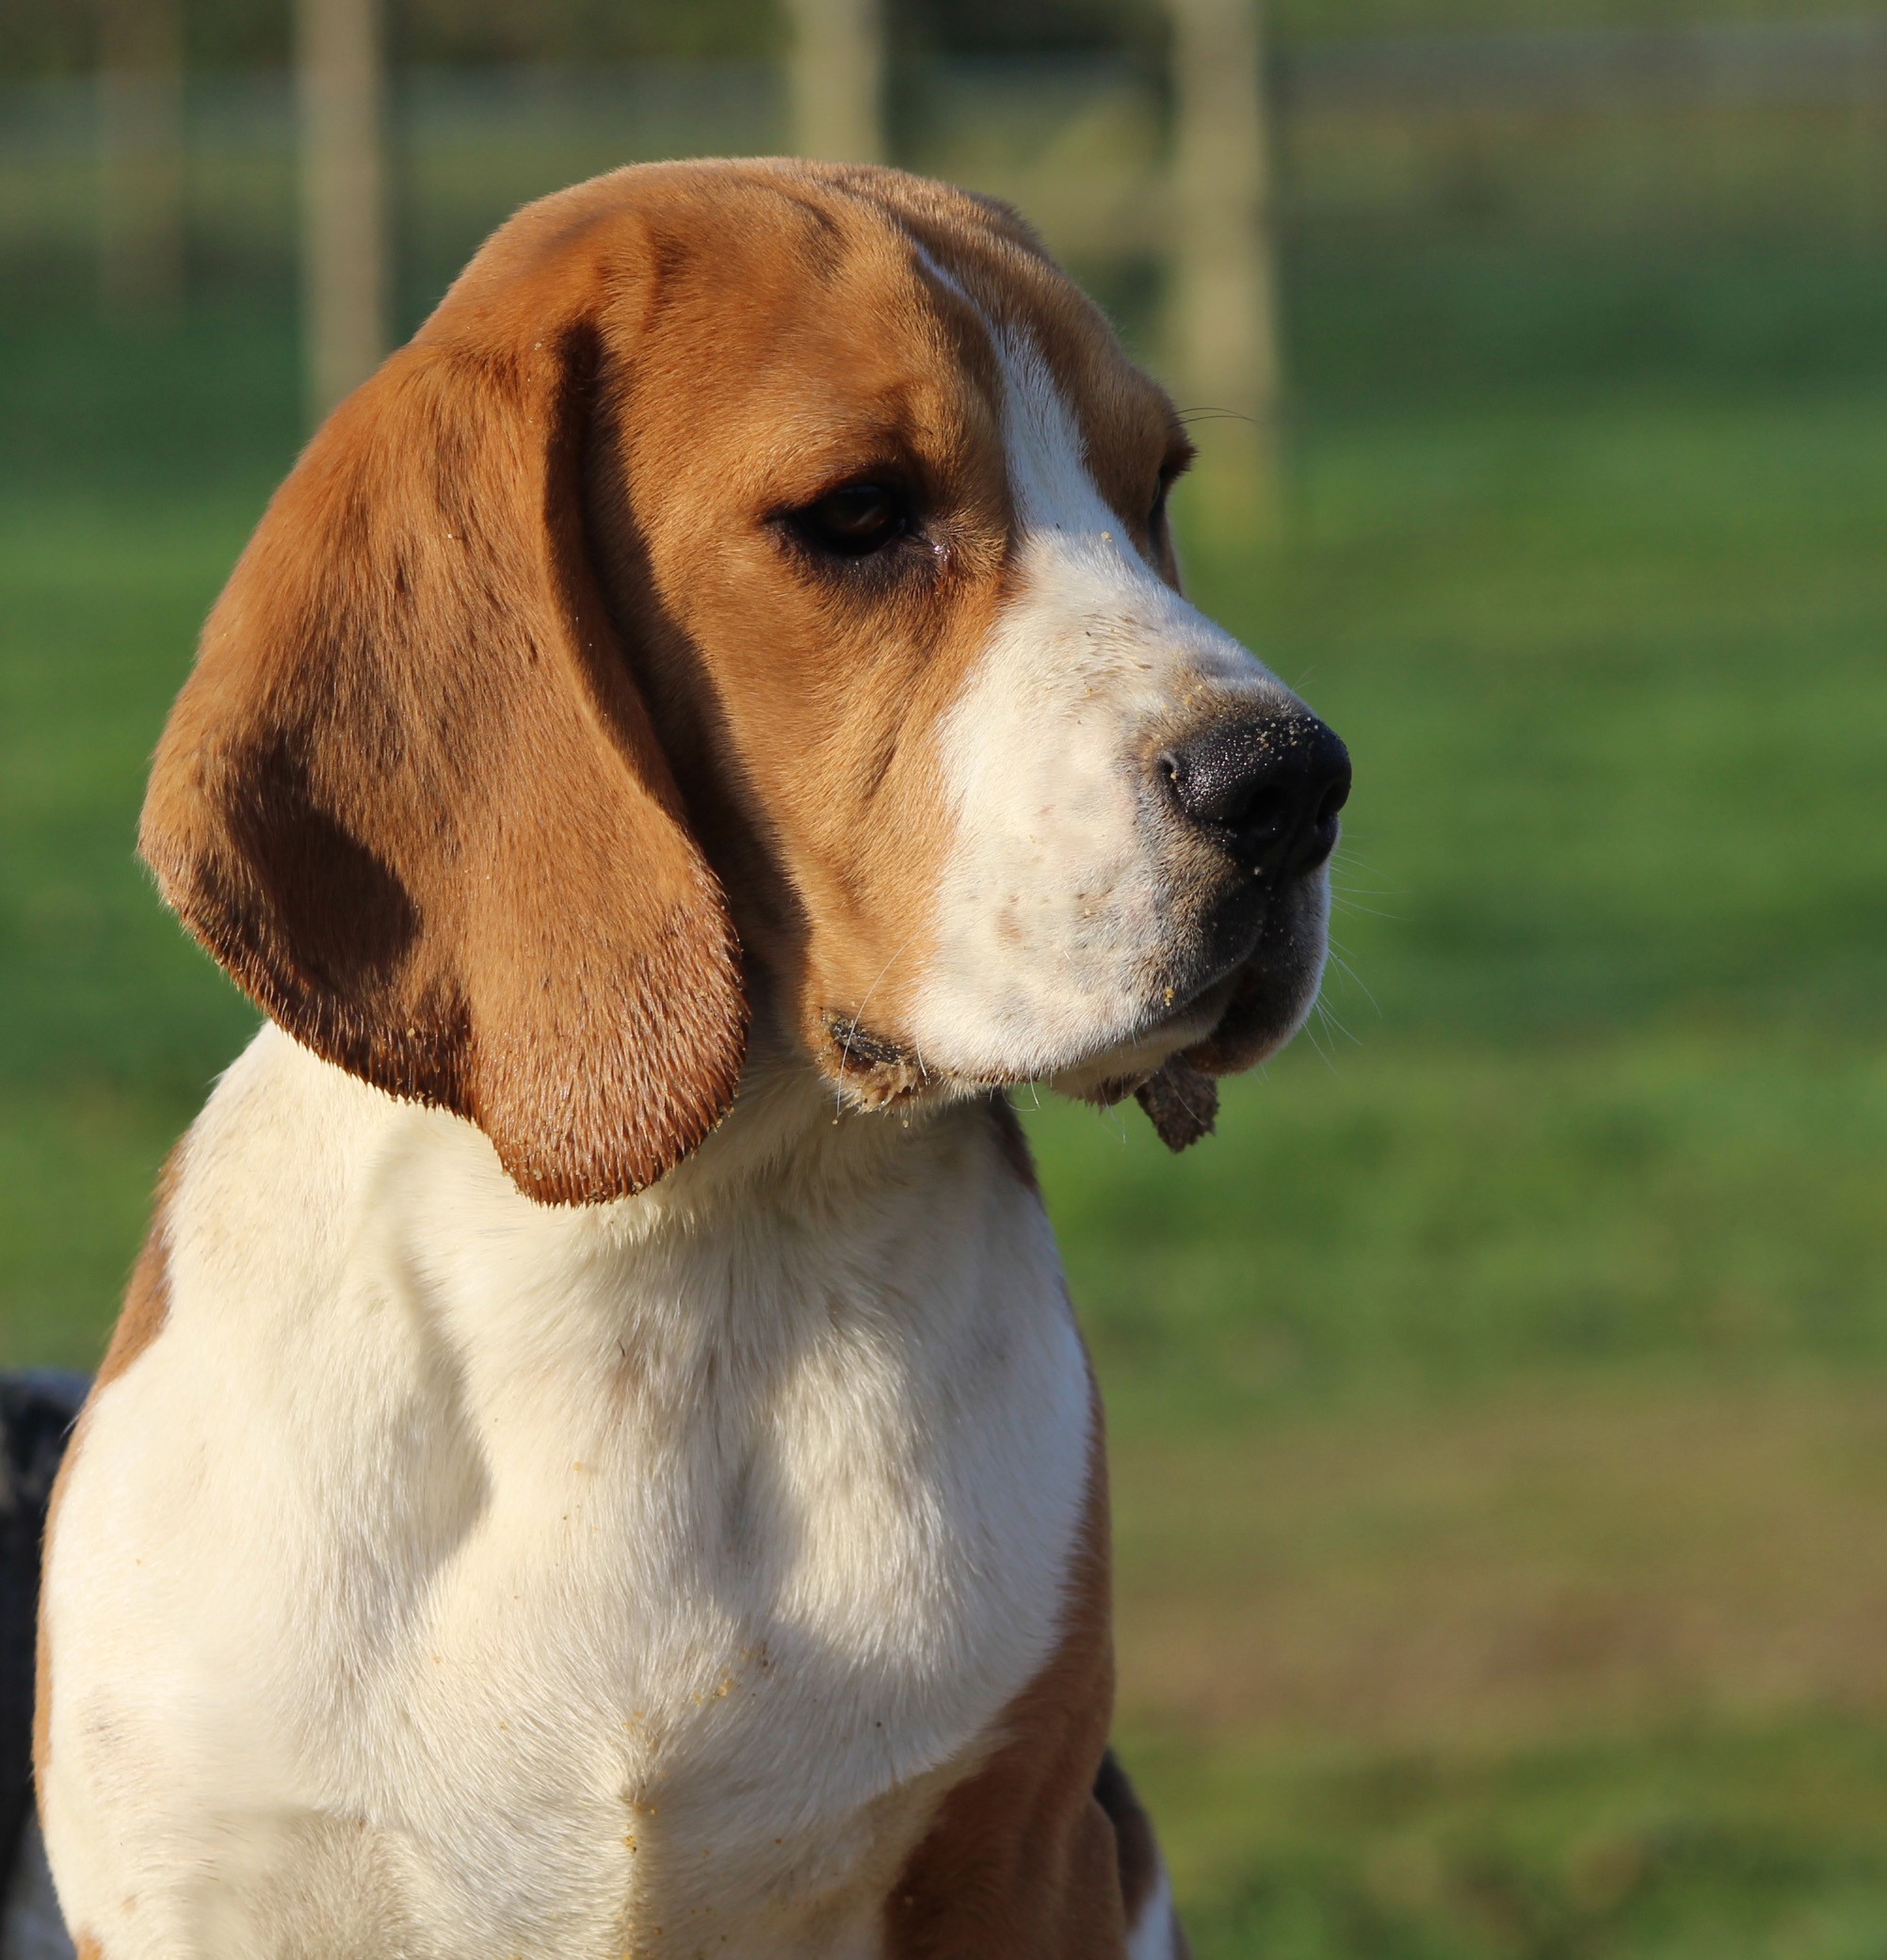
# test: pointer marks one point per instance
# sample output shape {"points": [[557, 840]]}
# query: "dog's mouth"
{"points": [[872, 1069], [876, 1068], [1238, 996], [1179, 1099], [1237, 1017]]}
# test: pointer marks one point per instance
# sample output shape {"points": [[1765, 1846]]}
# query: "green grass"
{"points": [[1496, 1400], [1671, 1845], [1579, 1668], [1422, 1219]]}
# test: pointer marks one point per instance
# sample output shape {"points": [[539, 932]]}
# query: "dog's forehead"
{"points": [[904, 295], [790, 297]]}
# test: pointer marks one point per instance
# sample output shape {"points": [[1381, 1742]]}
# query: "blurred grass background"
{"points": [[1499, 1402]]}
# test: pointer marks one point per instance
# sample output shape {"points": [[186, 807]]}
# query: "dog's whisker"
{"points": [[1347, 854], [1344, 904], [1328, 1059], [1356, 980], [1369, 891]]}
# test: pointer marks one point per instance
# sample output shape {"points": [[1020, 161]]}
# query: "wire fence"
{"points": [[1674, 141], [1724, 129]]}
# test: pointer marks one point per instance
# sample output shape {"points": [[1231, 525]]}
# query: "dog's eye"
{"points": [[1178, 461], [855, 521]]}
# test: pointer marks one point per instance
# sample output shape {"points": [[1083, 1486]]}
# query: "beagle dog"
{"points": [[597, 1458]]}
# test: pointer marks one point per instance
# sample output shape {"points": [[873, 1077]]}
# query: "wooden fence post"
{"points": [[341, 83], [140, 155], [835, 76], [1224, 322]]}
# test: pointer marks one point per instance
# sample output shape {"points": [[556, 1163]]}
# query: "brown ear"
{"points": [[410, 797]]}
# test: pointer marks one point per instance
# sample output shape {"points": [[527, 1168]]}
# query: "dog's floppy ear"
{"points": [[410, 797]]}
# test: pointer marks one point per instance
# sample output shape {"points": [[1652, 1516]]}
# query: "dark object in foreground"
{"points": [[37, 1408], [1180, 1103]]}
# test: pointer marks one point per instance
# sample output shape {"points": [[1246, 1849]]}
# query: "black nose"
{"points": [[1271, 785]]}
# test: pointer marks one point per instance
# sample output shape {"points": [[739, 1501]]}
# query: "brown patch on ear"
{"points": [[1021, 1861], [410, 797], [147, 1306]]}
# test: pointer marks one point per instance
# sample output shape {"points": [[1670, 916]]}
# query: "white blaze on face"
{"points": [[1055, 927]]}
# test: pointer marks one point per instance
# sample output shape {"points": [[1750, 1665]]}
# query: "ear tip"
{"points": [[561, 1141], [640, 1143], [156, 849], [174, 814], [190, 897], [622, 1126]]}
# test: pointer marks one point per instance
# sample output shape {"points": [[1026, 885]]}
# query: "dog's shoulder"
{"points": [[789, 1470]]}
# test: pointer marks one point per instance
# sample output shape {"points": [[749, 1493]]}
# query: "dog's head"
{"points": [[753, 576]]}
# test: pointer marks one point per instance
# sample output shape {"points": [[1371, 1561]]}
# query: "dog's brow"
{"points": [[1047, 453], [948, 280]]}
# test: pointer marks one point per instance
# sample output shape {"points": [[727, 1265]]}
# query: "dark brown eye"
{"points": [[855, 521], [1178, 461]]}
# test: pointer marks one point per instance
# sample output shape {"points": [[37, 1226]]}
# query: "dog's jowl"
{"points": [[599, 1459]]}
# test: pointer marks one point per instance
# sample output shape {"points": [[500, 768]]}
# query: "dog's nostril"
{"points": [[1263, 809], [1271, 787]]}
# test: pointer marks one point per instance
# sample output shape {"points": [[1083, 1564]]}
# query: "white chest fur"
{"points": [[454, 1577]]}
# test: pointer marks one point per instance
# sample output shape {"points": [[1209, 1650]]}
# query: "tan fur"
{"points": [[415, 794], [1021, 1862], [410, 797], [523, 750]]}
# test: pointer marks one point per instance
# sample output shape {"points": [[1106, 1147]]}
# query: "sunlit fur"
{"points": [[1070, 901], [598, 1457], [454, 1574]]}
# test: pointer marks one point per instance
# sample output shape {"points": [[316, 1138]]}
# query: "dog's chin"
{"points": [[1113, 1073], [1239, 1020], [1219, 1025], [1258, 1021]]}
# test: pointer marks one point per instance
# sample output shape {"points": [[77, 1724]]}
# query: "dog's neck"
{"points": [[792, 1193], [794, 1135], [790, 1124], [751, 1501]]}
